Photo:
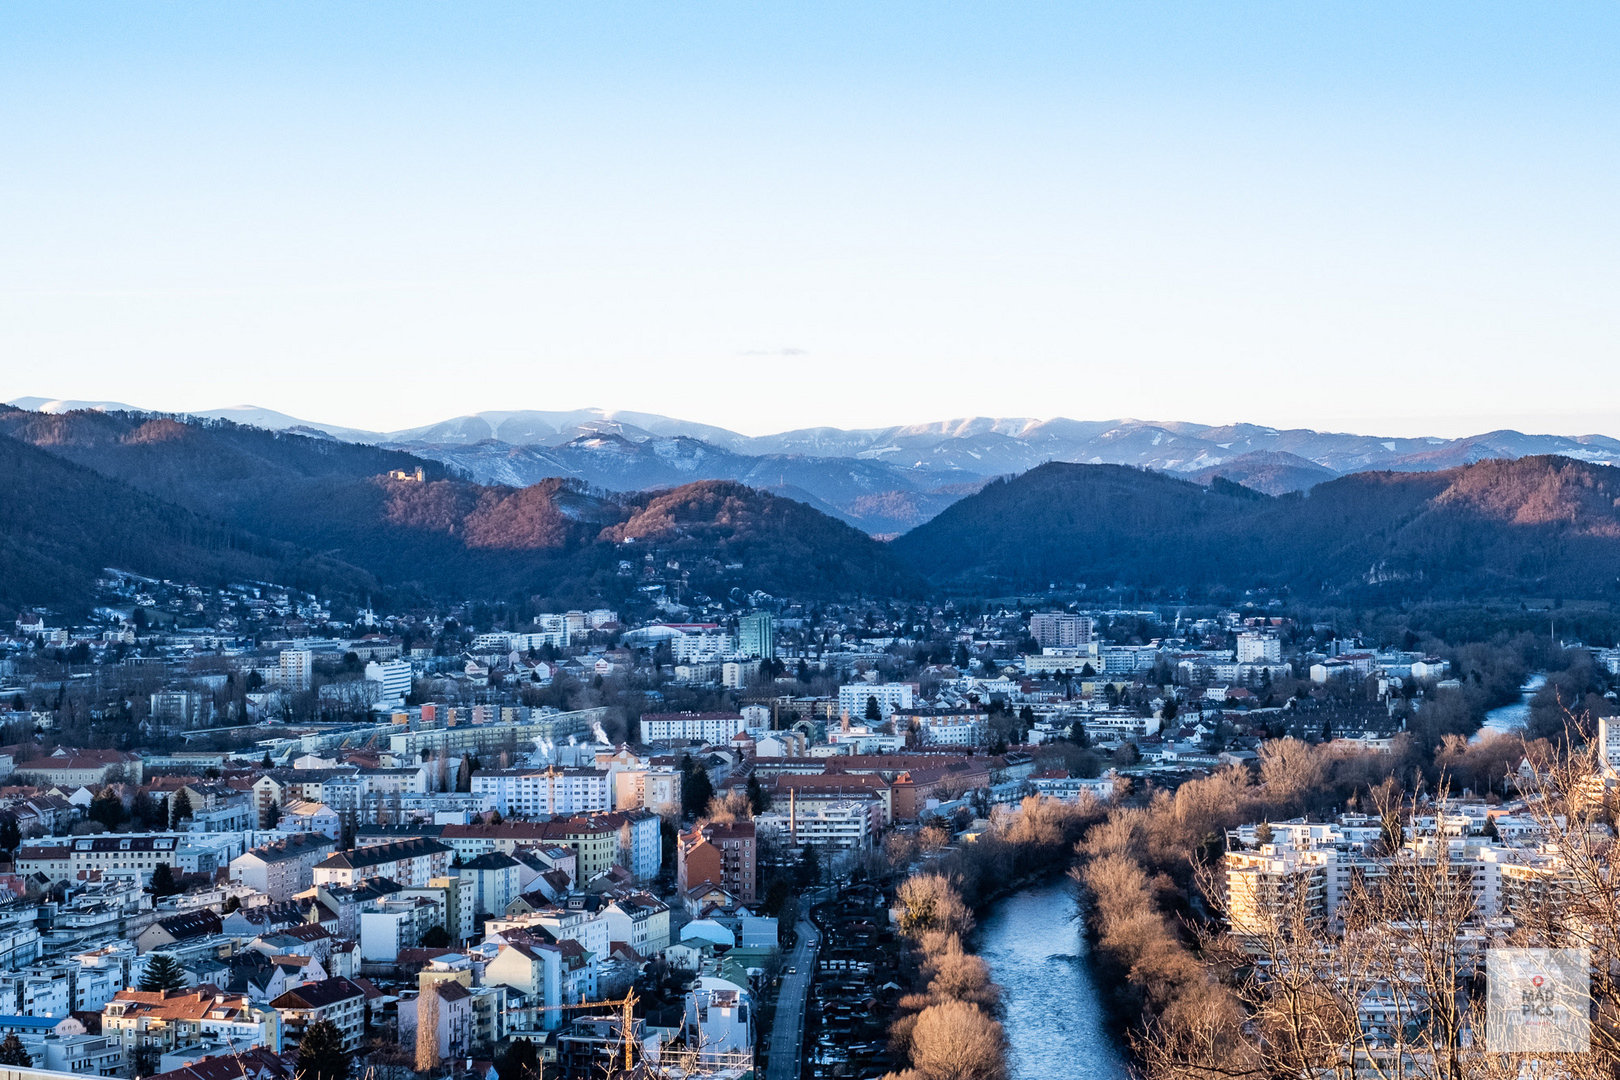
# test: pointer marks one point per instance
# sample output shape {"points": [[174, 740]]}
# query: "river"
{"points": [[1510, 719], [1054, 1018]]}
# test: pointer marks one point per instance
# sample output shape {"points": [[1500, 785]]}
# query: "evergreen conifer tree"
{"points": [[520, 1062], [181, 809], [163, 883], [321, 1055], [697, 792], [163, 972], [108, 808], [756, 795], [13, 1052]]}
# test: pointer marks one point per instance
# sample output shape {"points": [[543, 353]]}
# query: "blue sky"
{"points": [[1393, 218]]}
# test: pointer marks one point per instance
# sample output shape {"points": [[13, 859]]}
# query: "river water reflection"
{"points": [[1054, 1016], [1510, 719]]}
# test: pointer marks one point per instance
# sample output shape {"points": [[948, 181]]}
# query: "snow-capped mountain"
{"points": [[888, 479]]}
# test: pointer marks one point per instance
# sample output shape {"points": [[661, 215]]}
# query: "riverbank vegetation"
{"points": [[1394, 984], [1137, 862], [1191, 997], [946, 1026]]}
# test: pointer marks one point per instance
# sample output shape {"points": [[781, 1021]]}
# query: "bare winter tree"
{"points": [[956, 1040], [930, 902], [427, 1030], [731, 807], [1391, 985]]}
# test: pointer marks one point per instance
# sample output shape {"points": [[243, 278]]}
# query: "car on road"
{"points": [[793, 971]]}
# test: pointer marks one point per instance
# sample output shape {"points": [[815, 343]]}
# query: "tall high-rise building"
{"points": [[395, 677], [1609, 743], [1256, 648], [756, 635], [1059, 629], [297, 669]]}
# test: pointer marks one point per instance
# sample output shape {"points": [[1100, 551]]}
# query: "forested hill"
{"points": [[188, 461], [210, 500], [788, 548], [334, 509], [1543, 526], [60, 523]]}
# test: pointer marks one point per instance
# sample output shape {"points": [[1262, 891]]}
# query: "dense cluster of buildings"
{"points": [[1468, 876], [397, 816], [345, 884]]}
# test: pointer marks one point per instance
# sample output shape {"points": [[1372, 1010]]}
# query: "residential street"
{"points": [[788, 1031]]}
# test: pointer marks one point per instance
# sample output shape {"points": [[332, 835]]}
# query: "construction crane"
{"points": [[628, 1018]]}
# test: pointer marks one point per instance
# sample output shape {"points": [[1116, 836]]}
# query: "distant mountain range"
{"points": [[213, 500], [886, 481]]}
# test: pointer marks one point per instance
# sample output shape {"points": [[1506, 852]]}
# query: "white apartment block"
{"points": [[1608, 742], [412, 863], [889, 697], [641, 920], [538, 640], [1328, 857], [1121, 725], [1122, 659], [943, 727], [130, 856], [847, 824], [500, 641], [701, 648], [1075, 660], [1257, 648], [588, 928], [952, 734], [1263, 885], [735, 674], [281, 870], [491, 737], [394, 677], [641, 844], [542, 792], [657, 790], [712, 727], [1059, 629], [552, 623]]}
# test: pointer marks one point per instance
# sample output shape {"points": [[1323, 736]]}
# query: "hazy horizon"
{"points": [[37, 401]]}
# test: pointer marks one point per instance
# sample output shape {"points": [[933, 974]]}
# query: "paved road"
{"points": [[787, 1032]]}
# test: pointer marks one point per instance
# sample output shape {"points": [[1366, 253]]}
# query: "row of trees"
{"points": [[108, 808], [946, 1027], [1202, 1008]]}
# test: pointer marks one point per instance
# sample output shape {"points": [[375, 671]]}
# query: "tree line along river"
{"points": [[1054, 1017]]}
